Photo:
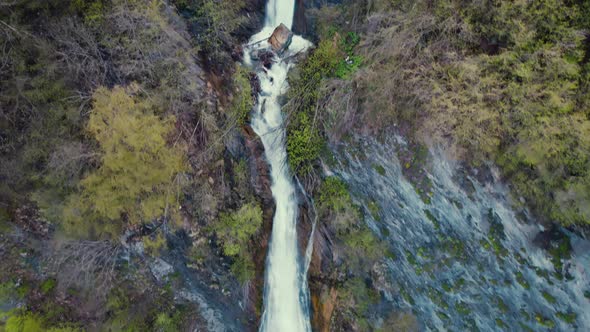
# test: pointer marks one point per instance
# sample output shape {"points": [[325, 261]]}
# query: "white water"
{"points": [[285, 294]]}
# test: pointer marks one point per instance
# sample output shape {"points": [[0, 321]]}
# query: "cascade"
{"points": [[286, 305]]}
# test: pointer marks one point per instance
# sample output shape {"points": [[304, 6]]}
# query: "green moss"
{"points": [[437, 298], [462, 308], [522, 281], [407, 297], [380, 169], [154, 243], [501, 305], [363, 242], [4, 220], [520, 259], [243, 101], [235, 230], [374, 210], [544, 321], [500, 324], [334, 195], [525, 327], [525, 314], [442, 315], [559, 251], [48, 286], [410, 258], [433, 219], [346, 68], [23, 289], [568, 317], [424, 254], [362, 295], [304, 144], [304, 136], [548, 297], [455, 247]]}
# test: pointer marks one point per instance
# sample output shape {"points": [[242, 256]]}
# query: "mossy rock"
{"points": [[548, 297], [568, 317]]}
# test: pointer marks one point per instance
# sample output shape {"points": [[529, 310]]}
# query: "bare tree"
{"points": [[88, 265]]}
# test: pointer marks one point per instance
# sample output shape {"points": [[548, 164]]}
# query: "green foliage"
{"points": [[380, 169], [19, 320], [304, 138], [548, 297], [7, 291], [48, 286], [362, 296], [166, 322], [362, 244], [154, 243], [304, 144], [510, 84], [137, 163], [334, 195], [234, 230], [217, 22], [243, 268], [544, 321], [243, 101], [93, 11], [568, 317]]}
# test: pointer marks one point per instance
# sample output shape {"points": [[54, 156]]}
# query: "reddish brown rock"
{"points": [[281, 38]]}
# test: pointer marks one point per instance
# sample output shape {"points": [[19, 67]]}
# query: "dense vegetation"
{"points": [[498, 81], [119, 120], [107, 130]]}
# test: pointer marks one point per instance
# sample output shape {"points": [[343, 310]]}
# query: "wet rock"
{"points": [[160, 269], [261, 182], [323, 308], [266, 57], [280, 39], [255, 85]]}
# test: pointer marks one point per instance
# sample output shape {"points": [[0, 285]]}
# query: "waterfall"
{"points": [[285, 293]]}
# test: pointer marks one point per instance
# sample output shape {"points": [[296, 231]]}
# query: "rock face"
{"points": [[160, 269], [280, 39]]}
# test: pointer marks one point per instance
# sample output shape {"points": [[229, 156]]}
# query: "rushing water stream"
{"points": [[460, 260], [285, 294]]}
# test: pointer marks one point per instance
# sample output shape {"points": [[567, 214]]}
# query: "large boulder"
{"points": [[280, 39]]}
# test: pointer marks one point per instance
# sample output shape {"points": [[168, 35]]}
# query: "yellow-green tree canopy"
{"points": [[137, 163]]}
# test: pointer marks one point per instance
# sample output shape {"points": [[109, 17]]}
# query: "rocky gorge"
{"points": [[404, 225]]}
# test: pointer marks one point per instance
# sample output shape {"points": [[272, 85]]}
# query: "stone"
{"points": [[160, 269], [280, 39]]}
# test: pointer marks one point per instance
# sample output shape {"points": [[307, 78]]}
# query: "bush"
{"points": [[334, 194], [304, 134], [507, 85], [154, 243], [234, 230], [137, 164], [243, 100]]}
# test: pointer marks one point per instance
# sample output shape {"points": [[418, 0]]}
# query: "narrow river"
{"points": [[285, 293]]}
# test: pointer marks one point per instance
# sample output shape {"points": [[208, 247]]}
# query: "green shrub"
{"points": [[243, 101], [19, 320], [137, 164], [48, 285], [154, 243], [234, 230], [304, 134], [362, 296], [334, 195]]}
